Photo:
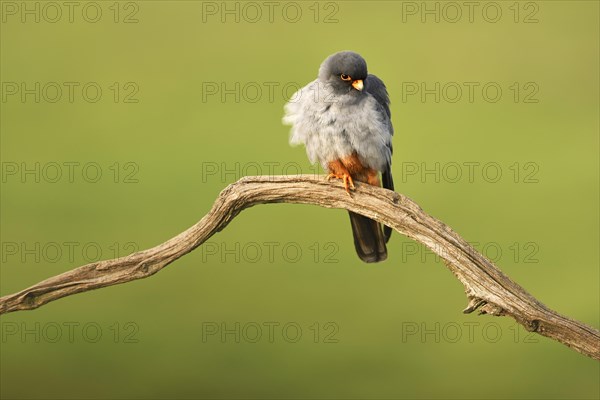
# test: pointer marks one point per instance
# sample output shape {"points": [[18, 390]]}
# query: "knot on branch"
{"points": [[534, 325]]}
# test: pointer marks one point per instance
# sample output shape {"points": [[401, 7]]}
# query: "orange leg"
{"points": [[360, 172], [373, 177], [339, 171]]}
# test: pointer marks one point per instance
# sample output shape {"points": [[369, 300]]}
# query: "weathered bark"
{"points": [[487, 288]]}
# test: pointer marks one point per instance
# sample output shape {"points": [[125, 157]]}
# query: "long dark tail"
{"points": [[369, 239]]}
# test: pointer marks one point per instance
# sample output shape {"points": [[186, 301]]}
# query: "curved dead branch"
{"points": [[487, 288]]}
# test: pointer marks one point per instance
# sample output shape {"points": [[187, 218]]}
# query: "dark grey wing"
{"points": [[376, 88]]}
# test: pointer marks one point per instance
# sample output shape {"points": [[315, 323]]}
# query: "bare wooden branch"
{"points": [[487, 288]]}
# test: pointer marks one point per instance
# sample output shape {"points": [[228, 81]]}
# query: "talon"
{"points": [[348, 183], [346, 180], [351, 182]]}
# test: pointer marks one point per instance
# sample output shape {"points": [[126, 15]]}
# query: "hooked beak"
{"points": [[357, 84]]}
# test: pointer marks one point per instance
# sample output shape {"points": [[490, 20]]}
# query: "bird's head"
{"points": [[344, 71]]}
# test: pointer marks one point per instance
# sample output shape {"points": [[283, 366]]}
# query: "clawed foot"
{"points": [[346, 179]]}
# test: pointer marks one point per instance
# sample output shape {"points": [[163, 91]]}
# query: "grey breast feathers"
{"points": [[334, 126]]}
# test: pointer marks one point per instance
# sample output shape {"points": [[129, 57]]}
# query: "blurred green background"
{"points": [[166, 144]]}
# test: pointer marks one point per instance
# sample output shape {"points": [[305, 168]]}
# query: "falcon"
{"points": [[343, 119]]}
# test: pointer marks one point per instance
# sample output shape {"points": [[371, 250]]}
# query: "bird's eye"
{"points": [[345, 77]]}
